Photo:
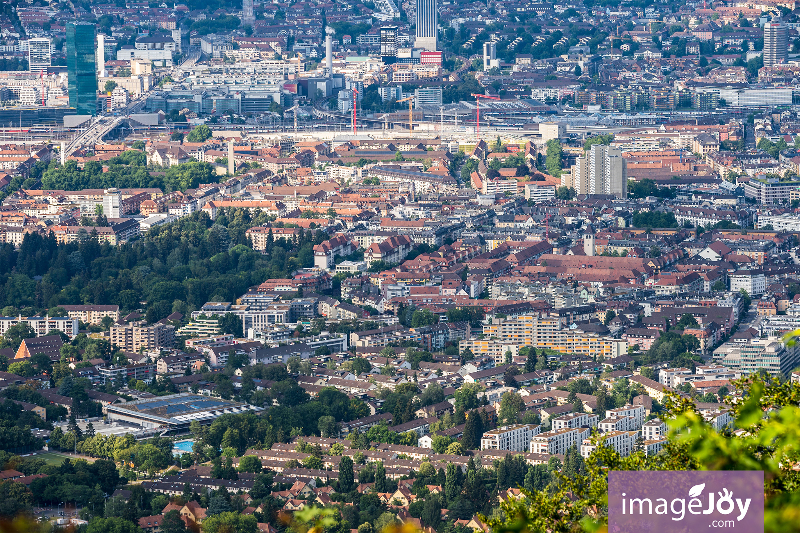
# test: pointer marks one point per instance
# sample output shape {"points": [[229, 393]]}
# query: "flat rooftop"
{"points": [[180, 408]]}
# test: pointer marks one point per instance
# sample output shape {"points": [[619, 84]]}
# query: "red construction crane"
{"points": [[478, 118], [355, 102]]}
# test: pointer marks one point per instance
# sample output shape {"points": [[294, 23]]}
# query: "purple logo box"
{"points": [[686, 501]]}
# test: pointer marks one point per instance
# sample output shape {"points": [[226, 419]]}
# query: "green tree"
{"points": [[530, 359], [686, 321], [467, 396], [111, 525], [598, 139], [15, 498], [553, 158], [510, 406], [385, 521], [230, 522], [23, 368], [381, 484], [455, 448], [346, 477], [199, 134], [360, 365], [473, 432], [14, 335], [250, 463], [327, 426], [110, 86], [432, 512], [422, 318], [452, 485], [172, 523], [565, 193]]}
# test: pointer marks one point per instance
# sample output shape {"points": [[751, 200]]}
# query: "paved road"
{"points": [[100, 126], [749, 137]]}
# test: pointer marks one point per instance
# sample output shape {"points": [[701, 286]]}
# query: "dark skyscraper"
{"points": [[81, 69], [388, 37]]}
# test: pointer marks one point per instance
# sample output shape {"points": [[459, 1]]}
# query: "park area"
{"points": [[56, 458]]}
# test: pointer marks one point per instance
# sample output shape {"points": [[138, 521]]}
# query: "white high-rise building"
{"points": [[489, 55], [602, 171], [427, 24], [248, 17], [516, 438], [39, 54], [776, 43], [100, 55], [112, 201], [608, 171]]}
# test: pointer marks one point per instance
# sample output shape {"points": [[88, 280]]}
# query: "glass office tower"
{"points": [[81, 69]]}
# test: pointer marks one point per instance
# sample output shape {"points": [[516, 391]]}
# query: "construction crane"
{"points": [[410, 100], [478, 118], [355, 103], [293, 109]]}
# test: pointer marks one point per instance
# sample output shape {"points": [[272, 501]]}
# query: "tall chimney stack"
{"points": [[329, 51], [231, 165]]}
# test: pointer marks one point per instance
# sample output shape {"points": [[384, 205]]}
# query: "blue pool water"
{"points": [[185, 446]]}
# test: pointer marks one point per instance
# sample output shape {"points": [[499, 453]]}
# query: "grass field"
{"points": [[52, 458]]}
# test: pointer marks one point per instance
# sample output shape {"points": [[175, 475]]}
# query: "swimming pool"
{"points": [[184, 446]]}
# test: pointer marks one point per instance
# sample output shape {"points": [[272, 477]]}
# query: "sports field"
{"points": [[52, 458]]}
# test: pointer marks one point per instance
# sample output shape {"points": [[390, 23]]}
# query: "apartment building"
{"points": [[602, 170], [666, 376], [135, 336], [42, 326], [575, 420], [615, 423], [769, 354], [548, 332], [201, 327], [490, 348], [718, 418], [634, 414], [516, 438], [326, 252], [653, 446], [654, 429], [692, 378], [623, 442], [92, 314], [261, 236], [143, 372], [114, 234], [558, 441], [752, 281], [174, 364], [392, 250]]}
